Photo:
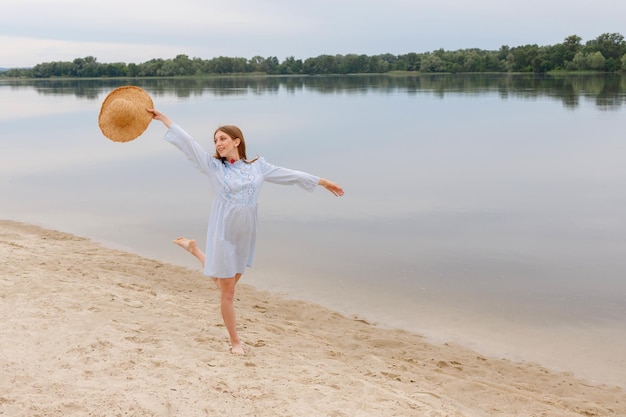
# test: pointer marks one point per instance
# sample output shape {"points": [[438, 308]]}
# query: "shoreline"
{"points": [[592, 350], [88, 328]]}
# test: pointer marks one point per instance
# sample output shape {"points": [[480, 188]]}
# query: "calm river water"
{"points": [[483, 210]]}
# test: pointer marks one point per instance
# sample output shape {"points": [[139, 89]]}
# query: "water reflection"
{"points": [[608, 91], [490, 195]]}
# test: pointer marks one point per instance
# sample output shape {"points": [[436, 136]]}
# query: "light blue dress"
{"points": [[231, 234]]}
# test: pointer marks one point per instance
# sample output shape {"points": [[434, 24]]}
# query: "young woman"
{"points": [[235, 182]]}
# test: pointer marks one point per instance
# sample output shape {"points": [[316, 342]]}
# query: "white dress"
{"points": [[231, 234]]}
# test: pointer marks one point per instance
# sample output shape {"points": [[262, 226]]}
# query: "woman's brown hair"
{"points": [[234, 132]]}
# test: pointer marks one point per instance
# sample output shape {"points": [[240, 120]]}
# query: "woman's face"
{"points": [[226, 146]]}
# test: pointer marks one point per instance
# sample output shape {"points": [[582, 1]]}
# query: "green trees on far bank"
{"points": [[605, 53]]}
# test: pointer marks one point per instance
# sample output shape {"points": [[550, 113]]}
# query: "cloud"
{"points": [[26, 52], [35, 31]]}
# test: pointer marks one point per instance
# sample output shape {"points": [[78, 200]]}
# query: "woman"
{"points": [[235, 182]]}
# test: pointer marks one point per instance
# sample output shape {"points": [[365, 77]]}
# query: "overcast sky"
{"points": [[135, 31]]}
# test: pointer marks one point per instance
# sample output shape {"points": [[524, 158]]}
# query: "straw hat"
{"points": [[123, 116]]}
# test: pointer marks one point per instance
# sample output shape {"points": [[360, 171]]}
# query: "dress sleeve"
{"points": [[286, 176], [199, 156]]}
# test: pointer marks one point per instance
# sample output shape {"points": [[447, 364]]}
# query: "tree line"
{"points": [[605, 53]]}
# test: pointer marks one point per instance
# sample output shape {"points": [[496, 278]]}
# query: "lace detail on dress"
{"points": [[239, 184]]}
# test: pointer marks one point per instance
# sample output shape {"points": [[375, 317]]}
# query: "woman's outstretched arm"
{"points": [[331, 186], [157, 115], [177, 136]]}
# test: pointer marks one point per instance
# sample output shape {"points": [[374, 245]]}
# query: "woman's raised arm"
{"points": [[157, 115]]}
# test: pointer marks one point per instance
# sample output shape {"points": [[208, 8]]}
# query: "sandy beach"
{"points": [[92, 331]]}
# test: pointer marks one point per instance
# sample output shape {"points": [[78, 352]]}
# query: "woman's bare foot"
{"points": [[237, 349], [189, 245]]}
